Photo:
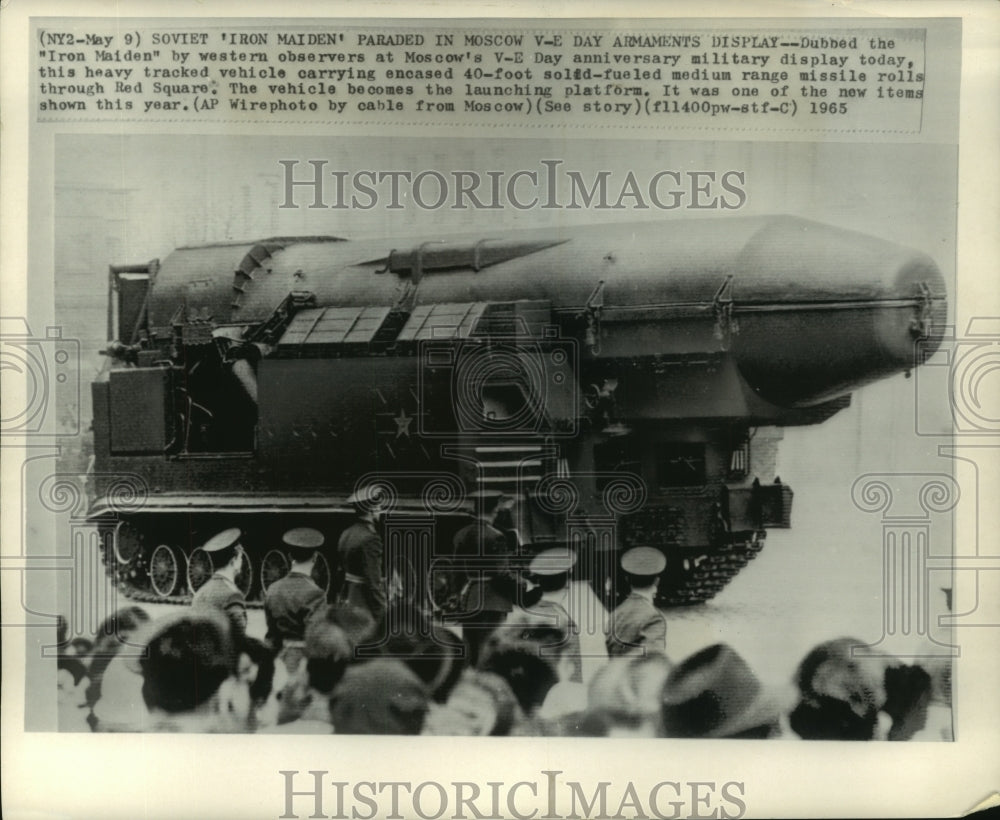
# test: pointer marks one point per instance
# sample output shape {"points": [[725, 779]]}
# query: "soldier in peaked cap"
{"points": [[360, 552], [568, 609], [290, 601], [637, 626], [220, 591]]}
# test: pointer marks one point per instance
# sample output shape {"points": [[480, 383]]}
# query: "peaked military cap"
{"points": [[643, 561], [553, 561], [304, 538], [223, 540]]}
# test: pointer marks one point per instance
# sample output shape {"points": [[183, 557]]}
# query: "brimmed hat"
{"points": [[553, 561], [302, 543], [714, 693], [643, 561], [379, 697], [303, 538], [223, 540]]}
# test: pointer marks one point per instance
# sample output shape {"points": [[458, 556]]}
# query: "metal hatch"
{"points": [[318, 331], [450, 320]]}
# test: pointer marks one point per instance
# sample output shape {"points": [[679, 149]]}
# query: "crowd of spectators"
{"points": [[195, 671]]}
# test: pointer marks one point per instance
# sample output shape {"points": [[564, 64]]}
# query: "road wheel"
{"points": [[321, 573], [199, 569], [165, 570]]}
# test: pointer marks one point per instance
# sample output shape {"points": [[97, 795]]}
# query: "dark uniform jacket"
{"points": [[360, 554], [636, 625], [481, 552], [221, 593], [288, 603]]}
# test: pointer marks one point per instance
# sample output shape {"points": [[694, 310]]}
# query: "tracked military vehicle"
{"points": [[622, 384]]}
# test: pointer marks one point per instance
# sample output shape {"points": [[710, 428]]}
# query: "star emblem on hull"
{"points": [[403, 422]]}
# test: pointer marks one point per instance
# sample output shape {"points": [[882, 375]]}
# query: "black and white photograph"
{"points": [[613, 439], [500, 442]]}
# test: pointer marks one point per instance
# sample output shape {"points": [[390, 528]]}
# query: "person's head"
{"points": [[624, 697], [328, 652], [187, 658], [840, 695], [553, 642], [436, 654], [245, 696], [226, 551], [520, 664], [481, 704], [715, 694], [369, 502], [357, 624], [642, 567], [379, 697], [302, 544], [255, 668]]}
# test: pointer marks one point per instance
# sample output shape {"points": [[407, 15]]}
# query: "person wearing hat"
{"points": [[715, 694], [568, 606], [550, 615], [848, 696], [290, 601], [360, 552], [637, 626], [220, 591]]}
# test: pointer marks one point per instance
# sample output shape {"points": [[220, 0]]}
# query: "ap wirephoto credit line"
{"points": [[501, 418]]}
